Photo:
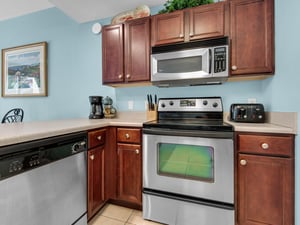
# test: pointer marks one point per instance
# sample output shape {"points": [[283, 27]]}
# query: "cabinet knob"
{"points": [[127, 136], [265, 146], [243, 162], [137, 151], [191, 34], [99, 138], [120, 76], [181, 35], [128, 76], [92, 157], [234, 67]]}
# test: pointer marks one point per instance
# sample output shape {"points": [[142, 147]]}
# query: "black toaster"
{"points": [[247, 113]]}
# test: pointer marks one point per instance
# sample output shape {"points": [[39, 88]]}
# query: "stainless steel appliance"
{"points": [[44, 182], [247, 113], [194, 63], [188, 164]]}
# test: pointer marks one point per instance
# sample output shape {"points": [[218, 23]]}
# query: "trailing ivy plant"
{"points": [[172, 5]]}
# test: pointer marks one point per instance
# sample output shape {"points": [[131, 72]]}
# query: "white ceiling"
{"points": [[79, 10]]}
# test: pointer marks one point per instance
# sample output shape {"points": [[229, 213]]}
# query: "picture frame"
{"points": [[24, 70]]}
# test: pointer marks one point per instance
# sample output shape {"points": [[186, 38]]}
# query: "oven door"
{"points": [[200, 167]]}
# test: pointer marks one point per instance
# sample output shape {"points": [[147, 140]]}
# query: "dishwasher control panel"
{"points": [[19, 158], [13, 165]]}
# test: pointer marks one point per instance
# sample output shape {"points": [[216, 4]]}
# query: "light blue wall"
{"points": [[74, 72], [74, 64]]}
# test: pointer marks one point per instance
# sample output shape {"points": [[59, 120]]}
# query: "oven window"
{"points": [[186, 161]]}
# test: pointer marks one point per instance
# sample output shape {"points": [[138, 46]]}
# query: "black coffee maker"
{"points": [[96, 107]]}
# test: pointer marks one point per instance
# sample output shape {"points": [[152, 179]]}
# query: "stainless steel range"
{"points": [[188, 164]]}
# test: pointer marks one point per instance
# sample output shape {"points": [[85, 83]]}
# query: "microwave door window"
{"points": [[180, 65]]}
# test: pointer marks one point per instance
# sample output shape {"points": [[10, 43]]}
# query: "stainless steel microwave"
{"points": [[188, 64]]}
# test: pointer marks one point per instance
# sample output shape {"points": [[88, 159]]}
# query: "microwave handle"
{"points": [[210, 59]]}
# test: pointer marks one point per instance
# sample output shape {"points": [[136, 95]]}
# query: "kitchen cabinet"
{"points": [[96, 162], [265, 179], [252, 37], [206, 21], [126, 52], [129, 165]]}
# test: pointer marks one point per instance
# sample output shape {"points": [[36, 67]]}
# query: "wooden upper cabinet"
{"points": [[112, 54], [137, 50], [126, 52], [167, 28], [206, 21], [252, 37]]}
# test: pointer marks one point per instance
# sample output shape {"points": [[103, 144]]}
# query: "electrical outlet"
{"points": [[130, 105], [251, 100]]}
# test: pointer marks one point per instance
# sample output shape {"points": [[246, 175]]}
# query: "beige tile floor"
{"points": [[118, 215]]}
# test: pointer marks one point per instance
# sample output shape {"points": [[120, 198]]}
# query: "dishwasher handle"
{"points": [[78, 147]]}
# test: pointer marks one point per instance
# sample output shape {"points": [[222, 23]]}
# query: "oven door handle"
{"points": [[189, 133]]}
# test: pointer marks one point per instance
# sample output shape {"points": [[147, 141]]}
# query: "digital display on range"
{"points": [[187, 103]]}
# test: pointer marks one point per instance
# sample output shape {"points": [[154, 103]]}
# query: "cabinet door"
{"points": [[207, 21], [95, 180], [137, 50], [130, 173], [167, 28], [265, 190], [252, 36], [112, 54]]}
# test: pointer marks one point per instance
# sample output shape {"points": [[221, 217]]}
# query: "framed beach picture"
{"points": [[24, 70]]}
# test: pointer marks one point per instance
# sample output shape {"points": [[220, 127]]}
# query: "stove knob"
{"points": [[163, 105], [171, 103], [205, 102], [215, 104]]}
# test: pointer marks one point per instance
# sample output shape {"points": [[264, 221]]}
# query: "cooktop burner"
{"points": [[205, 114]]}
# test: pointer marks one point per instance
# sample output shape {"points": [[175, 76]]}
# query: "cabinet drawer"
{"points": [[267, 145], [129, 135], [96, 138]]}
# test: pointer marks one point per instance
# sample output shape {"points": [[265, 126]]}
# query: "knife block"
{"points": [[151, 114]]}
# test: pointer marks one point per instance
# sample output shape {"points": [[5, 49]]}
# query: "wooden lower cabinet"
{"points": [[129, 166], [96, 197], [130, 173], [96, 171], [265, 182]]}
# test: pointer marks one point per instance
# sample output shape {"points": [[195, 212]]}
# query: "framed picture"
{"points": [[24, 70]]}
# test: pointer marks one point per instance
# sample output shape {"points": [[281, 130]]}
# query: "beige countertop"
{"points": [[12, 133], [21, 132]]}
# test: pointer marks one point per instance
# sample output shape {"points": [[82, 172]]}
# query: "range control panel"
{"points": [[247, 113], [200, 104]]}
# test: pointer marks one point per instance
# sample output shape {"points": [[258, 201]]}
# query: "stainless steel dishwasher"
{"points": [[44, 181]]}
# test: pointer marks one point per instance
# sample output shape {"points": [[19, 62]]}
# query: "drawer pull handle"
{"points": [[127, 136], [137, 151], [99, 138], [265, 146], [243, 162], [92, 157]]}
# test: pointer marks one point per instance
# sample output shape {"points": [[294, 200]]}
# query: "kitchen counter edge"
{"points": [[281, 122]]}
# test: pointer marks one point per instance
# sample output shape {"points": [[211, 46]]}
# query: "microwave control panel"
{"points": [[220, 59]]}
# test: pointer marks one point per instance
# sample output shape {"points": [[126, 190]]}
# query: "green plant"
{"points": [[172, 5]]}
